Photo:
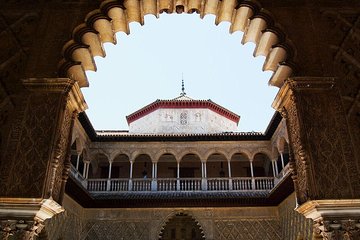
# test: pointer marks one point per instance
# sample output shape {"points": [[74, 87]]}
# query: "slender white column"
{"points": [[153, 171], [205, 171], [108, 186], [230, 180], [282, 160], [253, 186], [273, 168], [178, 176], [110, 166], [178, 170], [77, 161], [202, 170], [154, 177], [276, 167], [131, 174], [87, 170], [229, 169], [251, 168], [131, 169], [84, 170]]}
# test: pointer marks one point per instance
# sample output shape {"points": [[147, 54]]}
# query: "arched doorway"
{"points": [[181, 227]]}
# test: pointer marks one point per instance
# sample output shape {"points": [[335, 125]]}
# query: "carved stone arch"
{"points": [[137, 153], [262, 151], [166, 151], [246, 152], [116, 153], [181, 217], [190, 151], [217, 151], [114, 16]]}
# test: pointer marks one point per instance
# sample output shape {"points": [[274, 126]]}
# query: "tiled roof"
{"points": [[183, 102]]}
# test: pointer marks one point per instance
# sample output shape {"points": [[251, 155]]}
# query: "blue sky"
{"points": [[148, 64]]}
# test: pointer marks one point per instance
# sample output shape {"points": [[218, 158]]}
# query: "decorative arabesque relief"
{"points": [[66, 225], [294, 226], [344, 29], [247, 229], [31, 130], [112, 229]]}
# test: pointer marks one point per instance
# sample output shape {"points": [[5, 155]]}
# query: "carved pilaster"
{"points": [[322, 153], [35, 171], [322, 156]]}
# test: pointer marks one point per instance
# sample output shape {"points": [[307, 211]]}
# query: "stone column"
{"points": [[203, 176], [154, 177], [252, 175], [131, 174], [282, 160], [77, 162], [230, 179], [178, 176], [38, 153], [325, 169], [108, 184]]}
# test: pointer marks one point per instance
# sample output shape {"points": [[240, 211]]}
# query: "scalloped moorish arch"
{"points": [[114, 16], [174, 221]]}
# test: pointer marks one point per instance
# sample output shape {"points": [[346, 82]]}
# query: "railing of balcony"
{"points": [[179, 184]]}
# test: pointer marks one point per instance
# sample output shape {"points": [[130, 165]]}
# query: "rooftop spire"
{"points": [[182, 85]]}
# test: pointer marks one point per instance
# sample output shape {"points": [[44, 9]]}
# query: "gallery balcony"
{"points": [[129, 185]]}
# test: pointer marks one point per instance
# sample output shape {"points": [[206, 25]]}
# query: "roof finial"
{"points": [[182, 85]]}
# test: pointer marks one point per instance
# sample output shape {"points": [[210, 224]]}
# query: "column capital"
{"points": [[333, 219], [26, 216], [66, 86], [300, 84]]}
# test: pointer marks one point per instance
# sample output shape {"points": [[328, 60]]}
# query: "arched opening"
{"points": [[190, 166], [190, 172], [142, 166], [241, 172], [217, 166], [240, 165], [167, 172], [262, 166], [182, 226], [114, 17], [142, 173], [121, 167], [217, 171], [99, 167]]}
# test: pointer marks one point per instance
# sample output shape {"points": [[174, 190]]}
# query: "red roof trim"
{"points": [[183, 104]]}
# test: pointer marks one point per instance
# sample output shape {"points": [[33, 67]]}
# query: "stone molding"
{"points": [[59, 85]]}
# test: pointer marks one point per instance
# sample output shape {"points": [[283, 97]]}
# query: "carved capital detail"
{"points": [[20, 229], [333, 219]]}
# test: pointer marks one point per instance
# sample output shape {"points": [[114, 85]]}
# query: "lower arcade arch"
{"points": [[181, 226]]}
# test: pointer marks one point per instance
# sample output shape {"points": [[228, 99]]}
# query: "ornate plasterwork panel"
{"points": [[267, 229], [294, 225], [27, 149]]}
